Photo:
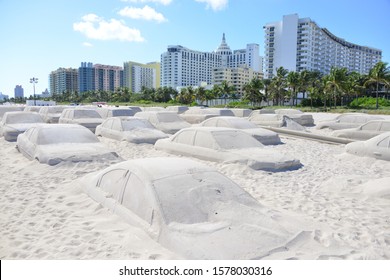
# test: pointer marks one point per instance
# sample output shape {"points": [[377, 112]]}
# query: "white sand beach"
{"points": [[343, 199]]}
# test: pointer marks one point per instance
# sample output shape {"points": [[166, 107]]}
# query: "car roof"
{"points": [[156, 168]]}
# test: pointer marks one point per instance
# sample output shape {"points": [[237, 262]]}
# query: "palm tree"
{"points": [[354, 84], [293, 83], [200, 94], [379, 74], [313, 85], [227, 90], [252, 91], [186, 95], [266, 83], [279, 84], [336, 81]]}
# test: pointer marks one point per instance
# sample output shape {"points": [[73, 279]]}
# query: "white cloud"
{"points": [[86, 44], [146, 13], [216, 5], [95, 27], [164, 2]]}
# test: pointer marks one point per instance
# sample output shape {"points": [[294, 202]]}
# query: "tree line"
{"points": [[317, 89]]}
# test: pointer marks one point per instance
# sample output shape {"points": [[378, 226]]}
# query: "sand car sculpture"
{"points": [[88, 118], [347, 120], [15, 123], [167, 122], [51, 114], [191, 209], [55, 143], [264, 136], [131, 129], [377, 147], [365, 131], [226, 145]]}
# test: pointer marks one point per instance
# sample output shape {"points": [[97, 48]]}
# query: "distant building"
{"points": [[137, 75], [237, 77], [86, 77], [63, 80], [45, 94], [182, 67], [19, 92], [299, 44], [3, 96], [99, 77]]}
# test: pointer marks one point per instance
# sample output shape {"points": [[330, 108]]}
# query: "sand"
{"points": [[345, 199]]}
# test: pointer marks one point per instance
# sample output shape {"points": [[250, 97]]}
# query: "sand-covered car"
{"points": [[272, 120], [51, 114], [264, 136], [297, 116], [347, 120], [167, 122], [4, 109], [108, 112], [88, 118], [377, 147], [55, 143], [131, 129], [192, 209], [365, 131], [195, 115], [226, 145], [14, 123]]}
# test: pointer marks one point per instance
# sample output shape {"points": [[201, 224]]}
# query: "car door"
{"points": [[26, 146], [112, 184], [382, 149], [205, 146], [106, 128], [367, 131], [116, 131]]}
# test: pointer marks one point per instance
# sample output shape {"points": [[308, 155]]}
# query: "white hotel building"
{"points": [[182, 67], [300, 44]]}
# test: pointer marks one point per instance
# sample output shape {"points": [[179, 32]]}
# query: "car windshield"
{"points": [[196, 198], [168, 117], [23, 118], [135, 123], [235, 140], [121, 112], [65, 135], [241, 124], [55, 110], [80, 114]]}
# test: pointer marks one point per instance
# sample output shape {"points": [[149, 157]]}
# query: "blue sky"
{"points": [[37, 37]]}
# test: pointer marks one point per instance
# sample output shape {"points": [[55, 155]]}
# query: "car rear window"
{"points": [[79, 114], [66, 135], [23, 118], [235, 140]]}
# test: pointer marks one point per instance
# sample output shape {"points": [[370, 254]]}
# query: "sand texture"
{"points": [[343, 200]]}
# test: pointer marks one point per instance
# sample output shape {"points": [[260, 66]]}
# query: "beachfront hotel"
{"points": [[183, 67], [138, 75], [99, 77], [63, 80], [301, 44]]}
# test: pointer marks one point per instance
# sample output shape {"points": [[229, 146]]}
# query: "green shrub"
{"points": [[368, 103]]}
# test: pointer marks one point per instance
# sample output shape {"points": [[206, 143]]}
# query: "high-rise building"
{"points": [[108, 77], [63, 80], [99, 77], [137, 75], [299, 44], [19, 92], [182, 67], [86, 77]]}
